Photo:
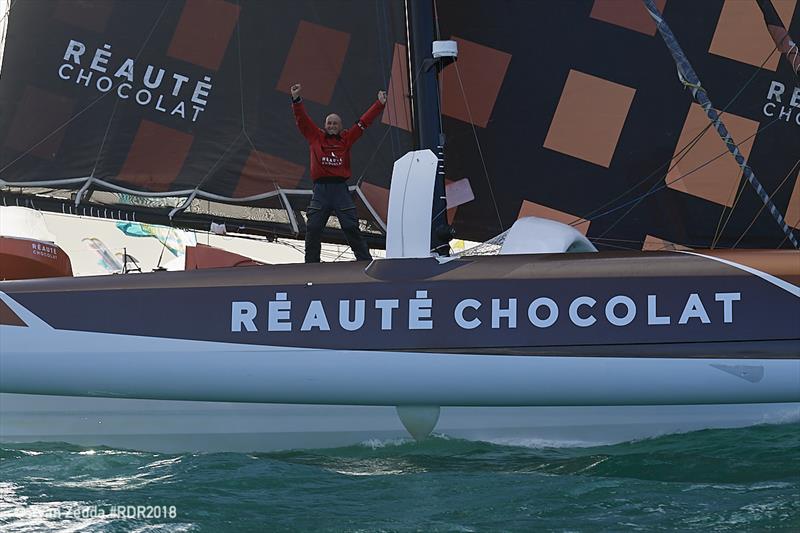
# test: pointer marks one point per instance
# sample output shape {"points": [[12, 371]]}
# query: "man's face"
{"points": [[333, 124]]}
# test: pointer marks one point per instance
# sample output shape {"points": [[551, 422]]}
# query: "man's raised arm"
{"points": [[304, 122], [370, 115]]}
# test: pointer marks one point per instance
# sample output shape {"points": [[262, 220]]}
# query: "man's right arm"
{"points": [[304, 122]]}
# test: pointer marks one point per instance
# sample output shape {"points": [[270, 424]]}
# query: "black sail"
{"points": [[570, 110], [580, 116], [152, 106]]}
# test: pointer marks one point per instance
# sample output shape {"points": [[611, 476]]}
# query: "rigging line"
{"points": [[382, 23], [687, 72], [480, 151], [666, 184], [268, 172], [680, 154], [740, 187], [105, 136], [780, 34], [239, 57], [92, 103], [683, 152], [374, 153], [217, 162], [377, 149], [687, 149], [343, 89], [59, 128], [436, 20], [403, 111], [740, 184], [654, 186], [341, 253], [794, 167], [795, 225], [620, 247], [163, 247]]}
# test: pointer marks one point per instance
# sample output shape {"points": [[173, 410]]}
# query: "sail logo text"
{"points": [[783, 103], [174, 94], [469, 313]]}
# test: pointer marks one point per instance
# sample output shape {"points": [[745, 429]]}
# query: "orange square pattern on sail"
{"points": [[38, 121], [482, 71], [156, 156], [741, 34], [264, 173], [532, 209], [378, 198], [398, 104], [629, 14], [315, 61], [660, 245], [204, 31], [589, 118], [696, 173]]}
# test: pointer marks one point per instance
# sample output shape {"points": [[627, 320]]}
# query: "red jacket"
{"points": [[330, 154]]}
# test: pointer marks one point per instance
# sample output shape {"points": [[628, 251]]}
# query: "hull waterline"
{"points": [[178, 426]]}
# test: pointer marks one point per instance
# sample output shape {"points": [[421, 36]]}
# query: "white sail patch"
{"points": [[350, 315], [168, 92]]}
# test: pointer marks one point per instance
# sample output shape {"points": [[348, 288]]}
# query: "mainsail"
{"points": [[178, 112], [580, 117], [568, 110]]}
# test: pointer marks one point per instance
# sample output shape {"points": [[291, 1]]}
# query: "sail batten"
{"points": [[570, 119], [190, 99]]}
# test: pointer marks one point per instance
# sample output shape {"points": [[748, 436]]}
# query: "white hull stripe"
{"points": [[24, 314], [785, 285]]}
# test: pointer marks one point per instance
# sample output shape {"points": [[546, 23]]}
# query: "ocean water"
{"points": [[744, 479]]}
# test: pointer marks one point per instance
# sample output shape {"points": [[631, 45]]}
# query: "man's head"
{"points": [[333, 124]]}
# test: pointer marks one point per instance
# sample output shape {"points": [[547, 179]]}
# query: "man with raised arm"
{"points": [[330, 170]]}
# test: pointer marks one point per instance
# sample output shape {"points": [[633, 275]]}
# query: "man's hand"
{"points": [[382, 97], [295, 90]]}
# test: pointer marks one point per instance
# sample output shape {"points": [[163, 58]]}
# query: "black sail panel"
{"points": [[580, 117], [186, 103]]}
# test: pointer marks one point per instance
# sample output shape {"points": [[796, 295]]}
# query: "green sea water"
{"points": [[744, 479]]}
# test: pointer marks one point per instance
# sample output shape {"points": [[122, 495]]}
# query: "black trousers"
{"points": [[333, 196]]}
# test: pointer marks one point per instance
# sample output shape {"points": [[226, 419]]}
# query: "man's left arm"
{"points": [[368, 117]]}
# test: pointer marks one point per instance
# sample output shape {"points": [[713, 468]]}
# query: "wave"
{"points": [[766, 453]]}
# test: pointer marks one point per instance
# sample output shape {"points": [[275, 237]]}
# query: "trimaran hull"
{"points": [[490, 340]]}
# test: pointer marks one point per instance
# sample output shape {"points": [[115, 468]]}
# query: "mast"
{"points": [[689, 79], [427, 118], [783, 41]]}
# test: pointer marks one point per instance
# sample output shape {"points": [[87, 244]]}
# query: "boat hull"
{"points": [[30, 258], [40, 360], [515, 337]]}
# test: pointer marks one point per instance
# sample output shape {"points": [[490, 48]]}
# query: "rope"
{"points": [[480, 151], [737, 192], [92, 103], [667, 184], [785, 179], [688, 72], [678, 155]]}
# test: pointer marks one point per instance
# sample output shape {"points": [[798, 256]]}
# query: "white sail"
{"points": [[5, 7]]}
